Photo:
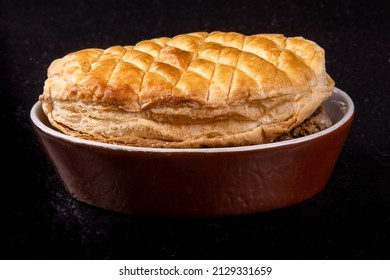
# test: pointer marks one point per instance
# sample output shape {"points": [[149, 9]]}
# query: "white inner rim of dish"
{"points": [[339, 107]]}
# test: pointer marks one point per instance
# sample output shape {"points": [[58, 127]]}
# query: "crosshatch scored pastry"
{"points": [[194, 90]]}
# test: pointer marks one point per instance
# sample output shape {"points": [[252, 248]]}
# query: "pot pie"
{"points": [[193, 90]]}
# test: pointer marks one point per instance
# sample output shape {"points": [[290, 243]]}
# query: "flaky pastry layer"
{"points": [[193, 90]]}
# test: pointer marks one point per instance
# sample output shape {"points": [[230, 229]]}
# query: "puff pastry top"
{"points": [[193, 90]]}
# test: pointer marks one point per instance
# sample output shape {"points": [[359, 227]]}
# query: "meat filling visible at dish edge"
{"points": [[316, 122]]}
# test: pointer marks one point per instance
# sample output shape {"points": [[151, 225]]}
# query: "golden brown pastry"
{"points": [[193, 90]]}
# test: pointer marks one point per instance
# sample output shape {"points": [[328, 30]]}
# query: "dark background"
{"points": [[350, 219]]}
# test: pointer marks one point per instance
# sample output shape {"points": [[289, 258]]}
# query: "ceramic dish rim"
{"points": [[348, 111]]}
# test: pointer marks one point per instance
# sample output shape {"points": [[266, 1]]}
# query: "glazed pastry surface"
{"points": [[193, 90]]}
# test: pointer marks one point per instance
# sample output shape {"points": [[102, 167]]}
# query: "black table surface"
{"points": [[350, 219]]}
